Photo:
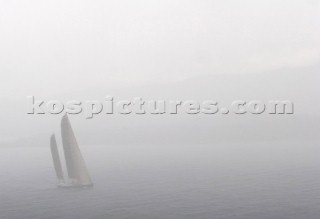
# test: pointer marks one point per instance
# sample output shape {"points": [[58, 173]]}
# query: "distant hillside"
{"points": [[298, 85]]}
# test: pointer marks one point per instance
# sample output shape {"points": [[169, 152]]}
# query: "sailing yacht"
{"points": [[78, 174]]}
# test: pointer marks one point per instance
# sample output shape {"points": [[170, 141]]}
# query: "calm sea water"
{"points": [[167, 182]]}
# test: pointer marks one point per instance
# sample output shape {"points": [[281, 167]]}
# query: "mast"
{"points": [[56, 158], [76, 167]]}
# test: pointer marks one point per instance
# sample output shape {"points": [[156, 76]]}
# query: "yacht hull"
{"points": [[72, 186]]}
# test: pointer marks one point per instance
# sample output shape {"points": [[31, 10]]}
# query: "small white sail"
{"points": [[76, 167], [56, 158]]}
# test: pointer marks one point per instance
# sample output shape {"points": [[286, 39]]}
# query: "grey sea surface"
{"points": [[254, 180]]}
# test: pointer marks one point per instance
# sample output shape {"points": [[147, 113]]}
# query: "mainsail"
{"points": [[76, 167], [56, 158]]}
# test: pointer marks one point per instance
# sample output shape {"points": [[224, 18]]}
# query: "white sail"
{"points": [[56, 158], [76, 167]]}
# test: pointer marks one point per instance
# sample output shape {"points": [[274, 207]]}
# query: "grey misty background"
{"points": [[201, 50], [216, 50]]}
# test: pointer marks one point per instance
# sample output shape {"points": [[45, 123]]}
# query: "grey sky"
{"points": [[51, 46]]}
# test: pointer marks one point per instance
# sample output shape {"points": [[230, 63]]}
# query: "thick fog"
{"points": [[220, 50], [163, 50]]}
